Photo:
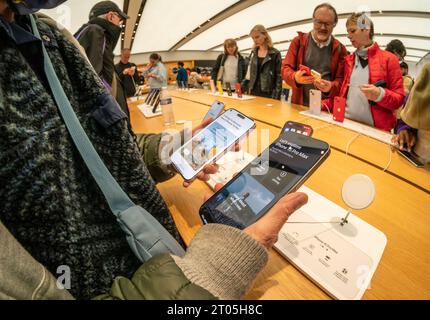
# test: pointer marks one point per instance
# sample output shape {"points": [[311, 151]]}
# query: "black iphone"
{"points": [[280, 169]]}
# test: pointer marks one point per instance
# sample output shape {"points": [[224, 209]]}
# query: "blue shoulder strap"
{"points": [[144, 233]]}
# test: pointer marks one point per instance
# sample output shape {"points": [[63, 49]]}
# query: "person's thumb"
{"points": [[285, 207]]}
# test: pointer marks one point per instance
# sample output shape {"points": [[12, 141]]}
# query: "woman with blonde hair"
{"points": [[230, 66], [264, 71]]}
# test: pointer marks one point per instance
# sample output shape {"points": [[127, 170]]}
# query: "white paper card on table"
{"points": [[147, 111], [233, 96], [229, 164], [354, 126], [187, 90], [339, 259]]}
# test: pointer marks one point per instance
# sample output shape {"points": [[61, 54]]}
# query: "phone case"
{"points": [[228, 87], [239, 90], [315, 102], [339, 109], [219, 86]]}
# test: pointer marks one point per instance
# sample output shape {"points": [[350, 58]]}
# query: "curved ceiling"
{"points": [[166, 25]]}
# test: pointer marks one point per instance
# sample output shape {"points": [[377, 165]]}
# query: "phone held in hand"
{"points": [[300, 128], [215, 110], [315, 102], [307, 70], [291, 160], [339, 109], [411, 157], [211, 143]]}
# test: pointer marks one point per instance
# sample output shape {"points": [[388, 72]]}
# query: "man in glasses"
{"points": [[319, 51], [99, 38]]}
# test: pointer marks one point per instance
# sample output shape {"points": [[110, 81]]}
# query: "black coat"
{"points": [[241, 71], [270, 74]]}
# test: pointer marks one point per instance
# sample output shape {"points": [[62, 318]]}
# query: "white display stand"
{"points": [[186, 90], [147, 111], [233, 96], [354, 126], [339, 259]]}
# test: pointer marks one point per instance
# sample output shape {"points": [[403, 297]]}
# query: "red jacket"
{"points": [[296, 57], [383, 65]]}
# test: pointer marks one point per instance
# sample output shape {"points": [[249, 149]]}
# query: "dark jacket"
{"points": [[99, 38], [270, 74], [296, 56], [220, 61], [182, 75], [129, 83]]}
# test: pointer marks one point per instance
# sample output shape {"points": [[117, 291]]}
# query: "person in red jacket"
{"points": [[368, 65], [320, 51]]}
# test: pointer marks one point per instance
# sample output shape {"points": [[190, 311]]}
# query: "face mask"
{"points": [[24, 7]]}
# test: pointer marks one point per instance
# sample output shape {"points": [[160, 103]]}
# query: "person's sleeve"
{"points": [[156, 150], [223, 260], [93, 41], [22, 277], [278, 78], [394, 93], [215, 69], [337, 83], [289, 65]]}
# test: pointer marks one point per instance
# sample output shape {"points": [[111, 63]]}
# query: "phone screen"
{"points": [[211, 142], [249, 195], [215, 110], [299, 128]]}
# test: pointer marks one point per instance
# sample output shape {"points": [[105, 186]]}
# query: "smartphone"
{"points": [[149, 96], [300, 128], [239, 90], [219, 86], [211, 143], [316, 74], [339, 109], [307, 70], [215, 110], [315, 102], [411, 157], [154, 97], [291, 160], [228, 88]]}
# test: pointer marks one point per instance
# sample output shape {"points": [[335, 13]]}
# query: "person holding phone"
{"points": [[230, 66], [53, 214], [263, 77], [413, 130], [156, 72], [127, 72], [317, 50], [373, 83]]}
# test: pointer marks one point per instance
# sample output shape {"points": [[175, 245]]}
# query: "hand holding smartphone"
{"points": [[211, 142], [259, 186]]}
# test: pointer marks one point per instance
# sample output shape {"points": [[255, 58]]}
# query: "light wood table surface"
{"points": [[400, 210], [364, 148]]}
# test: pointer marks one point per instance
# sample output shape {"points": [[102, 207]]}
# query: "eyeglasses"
{"points": [[319, 24]]}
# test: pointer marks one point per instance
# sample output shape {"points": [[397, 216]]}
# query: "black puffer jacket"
{"points": [[270, 74]]}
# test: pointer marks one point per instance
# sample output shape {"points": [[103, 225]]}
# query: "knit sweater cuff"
{"points": [[223, 260]]}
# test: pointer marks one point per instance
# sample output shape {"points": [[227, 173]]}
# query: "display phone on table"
{"points": [[215, 110], [315, 102], [228, 88], [411, 157], [211, 143], [279, 170], [239, 90], [300, 128], [212, 85], [339, 109], [219, 87]]}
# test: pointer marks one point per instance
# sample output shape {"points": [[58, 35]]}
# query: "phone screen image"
{"points": [[211, 142], [249, 195], [215, 110]]}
